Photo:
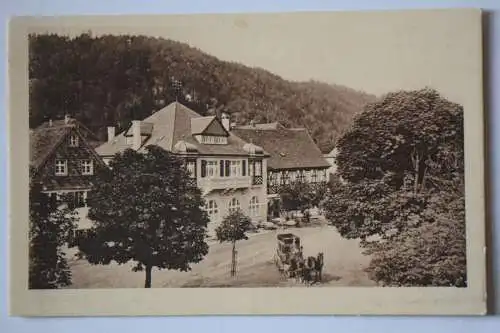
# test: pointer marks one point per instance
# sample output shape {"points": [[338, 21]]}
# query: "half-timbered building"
{"points": [[63, 159], [294, 156]]}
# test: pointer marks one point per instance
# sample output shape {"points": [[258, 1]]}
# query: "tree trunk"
{"points": [[149, 268], [233, 261]]}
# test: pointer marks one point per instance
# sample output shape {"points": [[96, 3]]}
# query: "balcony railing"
{"points": [[257, 180], [209, 184], [192, 182]]}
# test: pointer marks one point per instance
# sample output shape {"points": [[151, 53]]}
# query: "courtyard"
{"points": [[344, 264]]}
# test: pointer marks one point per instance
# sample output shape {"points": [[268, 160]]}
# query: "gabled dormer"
{"points": [[209, 130]]}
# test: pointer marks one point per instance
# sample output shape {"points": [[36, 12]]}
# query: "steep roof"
{"points": [[199, 124], [289, 148], [45, 138], [172, 124]]}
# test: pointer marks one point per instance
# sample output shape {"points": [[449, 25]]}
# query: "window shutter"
{"points": [[203, 168], [244, 168], [221, 168], [228, 173]]}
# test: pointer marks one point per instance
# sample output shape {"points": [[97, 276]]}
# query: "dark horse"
{"points": [[319, 262], [307, 269]]}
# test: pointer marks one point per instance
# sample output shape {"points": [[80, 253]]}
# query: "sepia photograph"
{"points": [[170, 158]]}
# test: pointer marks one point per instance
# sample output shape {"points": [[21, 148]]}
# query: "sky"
{"points": [[367, 51]]}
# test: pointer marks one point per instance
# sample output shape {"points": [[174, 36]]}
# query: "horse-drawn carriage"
{"points": [[289, 259], [288, 249]]}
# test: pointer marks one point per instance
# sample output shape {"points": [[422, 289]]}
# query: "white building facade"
{"points": [[230, 172]]}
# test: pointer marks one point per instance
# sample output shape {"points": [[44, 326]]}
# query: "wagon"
{"points": [[288, 250]]}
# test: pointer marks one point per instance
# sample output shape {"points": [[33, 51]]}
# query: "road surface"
{"points": [[344, 265]]}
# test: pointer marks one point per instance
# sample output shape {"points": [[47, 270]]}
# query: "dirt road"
{"points": [[344, 265]]}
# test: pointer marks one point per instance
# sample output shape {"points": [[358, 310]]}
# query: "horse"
{"points": [[307, 270], [318, 266]]}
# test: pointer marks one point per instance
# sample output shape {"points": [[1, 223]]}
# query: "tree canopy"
{"points": [[51, 225], [109, 80], [144, 209], [403, 171], [234, 227]]}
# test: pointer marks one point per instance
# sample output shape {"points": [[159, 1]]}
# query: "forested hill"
{"points": [[111, 79]]}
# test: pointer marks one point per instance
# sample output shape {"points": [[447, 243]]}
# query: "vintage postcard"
{"points": [[295, 163]]}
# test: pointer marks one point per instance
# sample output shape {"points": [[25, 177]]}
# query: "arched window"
{"points": [[212, 210], [254, 206], [234, 205]]}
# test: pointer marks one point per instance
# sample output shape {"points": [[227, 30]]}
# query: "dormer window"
{"points": [[73, 141], [212, 139]]}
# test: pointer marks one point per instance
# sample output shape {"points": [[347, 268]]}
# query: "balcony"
{"points": [[223, 183]]}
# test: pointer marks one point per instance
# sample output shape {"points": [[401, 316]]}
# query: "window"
{"points": [[235, 168], [301, 176], [61, 168], [234, 205], [212, 210], [213, 140], [191, 168], [314, 176], [209, 169], [272, 178], [255, 168], [228, 168], [129, 140], [285, 177], [307, 176], [75, 199], [254, 206], [258, 168], [212, 169], [73, 141], [87, 167], [79, 199]]}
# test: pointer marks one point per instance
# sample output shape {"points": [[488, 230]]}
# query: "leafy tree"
{"points": [[402, 166], [232, 229], [431, 253], [144, 210], [416, 133], [296, 196], [51, 225], [301, 196]]}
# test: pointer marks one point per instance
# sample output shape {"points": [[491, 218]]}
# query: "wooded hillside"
{"points": [[112, 79]]}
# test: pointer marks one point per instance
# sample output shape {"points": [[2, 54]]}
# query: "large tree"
{"points": [[301, 196], [51, 225], [144, 209], [402, 166]]}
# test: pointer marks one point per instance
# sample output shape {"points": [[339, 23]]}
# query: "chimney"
{"points": [[226, 121], [66, 118], [111, 133], [136, 134], [50, 122]]}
